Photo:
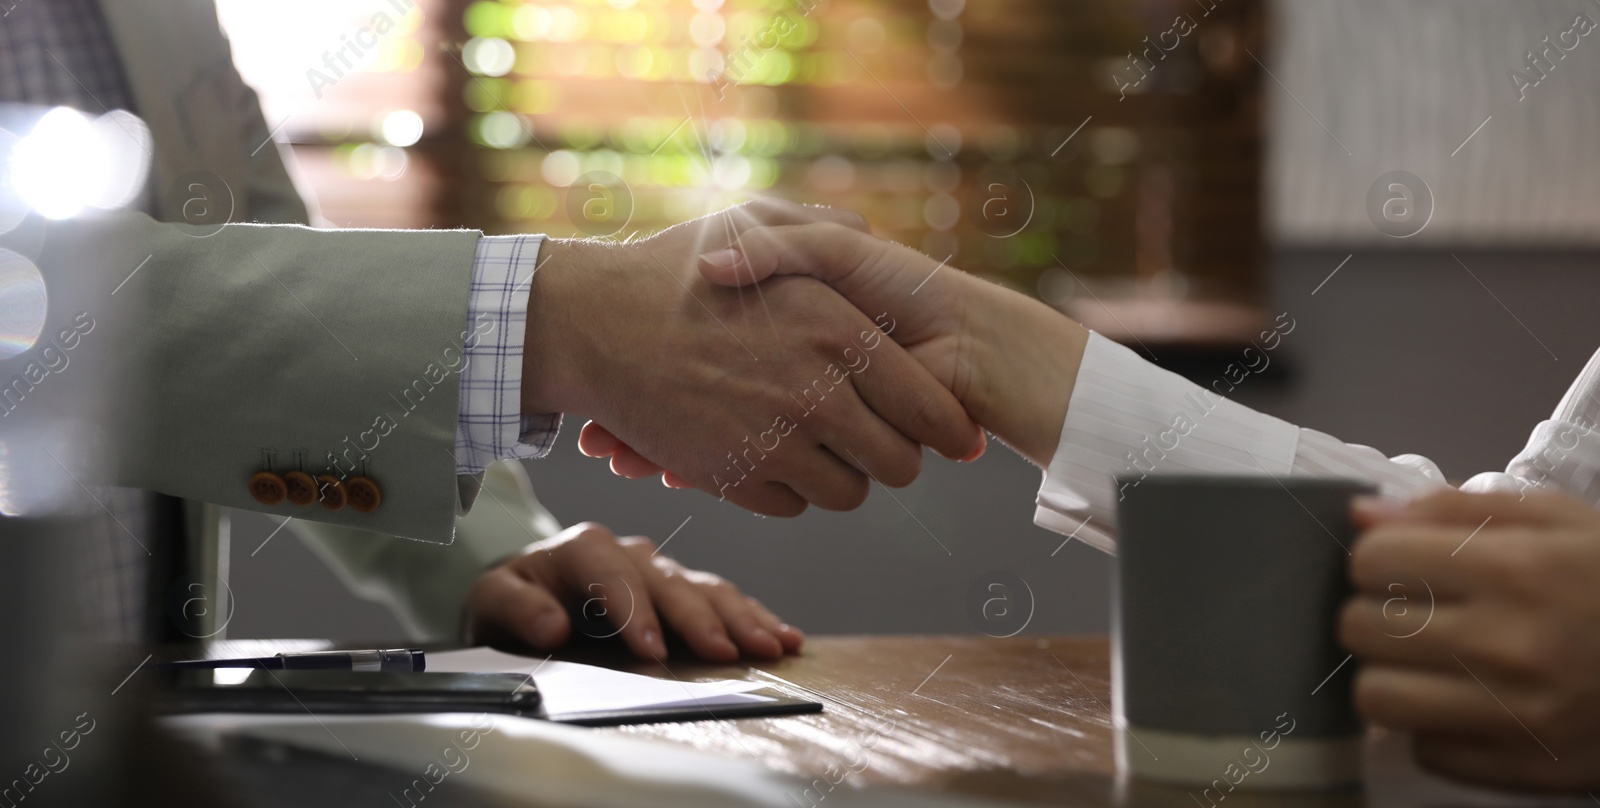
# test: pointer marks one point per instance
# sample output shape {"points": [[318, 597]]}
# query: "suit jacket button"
{"points": [[267, 488], [302, 490], [333, 492], [365, 495]]}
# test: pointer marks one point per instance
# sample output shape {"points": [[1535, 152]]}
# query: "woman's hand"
{"points": [[1500, 679], [626, 584]]}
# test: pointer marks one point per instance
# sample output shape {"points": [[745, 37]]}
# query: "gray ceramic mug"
{"points": [[1227, 673]]}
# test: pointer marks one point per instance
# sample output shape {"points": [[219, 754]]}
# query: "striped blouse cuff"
{"points": [[1128, 419]]}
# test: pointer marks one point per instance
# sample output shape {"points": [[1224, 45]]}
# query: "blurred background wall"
{"points": [[1442, 311]]}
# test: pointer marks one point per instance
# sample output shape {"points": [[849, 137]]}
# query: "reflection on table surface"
{"points": [[1023, 719]]}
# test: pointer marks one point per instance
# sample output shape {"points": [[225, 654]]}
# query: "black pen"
{"points": [[392, 660]]}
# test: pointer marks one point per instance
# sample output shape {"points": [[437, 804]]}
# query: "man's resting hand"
{"points": [[625, 585]]}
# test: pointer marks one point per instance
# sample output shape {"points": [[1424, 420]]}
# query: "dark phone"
{"points": [[325, 691]]}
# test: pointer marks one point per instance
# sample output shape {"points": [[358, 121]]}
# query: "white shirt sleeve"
{"points": [[1128, 419]]}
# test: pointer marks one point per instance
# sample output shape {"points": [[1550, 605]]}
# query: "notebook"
{"points": [[573, 693]]}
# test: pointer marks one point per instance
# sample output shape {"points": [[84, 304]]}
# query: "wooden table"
{"points": [[1024, 720], [1020, 718]]}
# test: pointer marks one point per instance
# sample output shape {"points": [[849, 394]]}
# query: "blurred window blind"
{"points": [[1105, 155]]}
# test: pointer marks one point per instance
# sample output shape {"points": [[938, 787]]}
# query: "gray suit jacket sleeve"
{"points": [[335, 352], [426, 585]]}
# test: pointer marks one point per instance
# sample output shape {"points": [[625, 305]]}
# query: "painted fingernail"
{"points": [[722, 259]]}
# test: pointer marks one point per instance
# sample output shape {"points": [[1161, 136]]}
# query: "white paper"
{"points": [[568, 687]]}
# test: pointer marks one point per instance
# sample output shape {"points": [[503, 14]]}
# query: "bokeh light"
{"points": [[24, 304], [489, 56], [126, 142], [401, 127], [68, 162], [60, 165]]}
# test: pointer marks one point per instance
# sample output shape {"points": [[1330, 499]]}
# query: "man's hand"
{"points": [[1502, 684], [623, 583], [771, 397], [1010, 360]]}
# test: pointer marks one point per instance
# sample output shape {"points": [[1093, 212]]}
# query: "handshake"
{"points": [[706, 355]]}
